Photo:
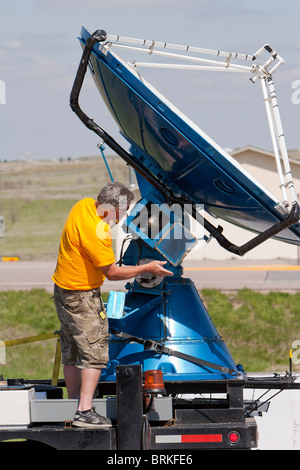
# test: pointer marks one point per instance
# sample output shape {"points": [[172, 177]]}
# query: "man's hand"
{"points": [[156, 267]]}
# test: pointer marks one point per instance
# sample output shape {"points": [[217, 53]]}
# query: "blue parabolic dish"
{"points": [[180, 153]]}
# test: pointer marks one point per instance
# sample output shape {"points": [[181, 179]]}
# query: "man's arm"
{"points": [[114, 272]]}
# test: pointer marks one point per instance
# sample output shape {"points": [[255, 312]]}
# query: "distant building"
{"points": [[261, 165]]}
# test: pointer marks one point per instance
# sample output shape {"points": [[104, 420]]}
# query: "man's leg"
{"points": [[86, 415], [73, 381], [89, 382], [84, 340], [81, 385]]}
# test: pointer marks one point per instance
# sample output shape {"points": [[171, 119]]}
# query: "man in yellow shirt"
{"points": [[84, 260]]}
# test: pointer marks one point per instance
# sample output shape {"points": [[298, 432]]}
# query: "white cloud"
{"points": [[13, 44]]}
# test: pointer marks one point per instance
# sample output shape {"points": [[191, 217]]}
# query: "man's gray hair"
{"points": [[115, 194]]}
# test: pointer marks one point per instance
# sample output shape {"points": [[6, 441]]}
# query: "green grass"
{"points": [[36, 197], [258, 329], [33, 227], [71, 179], [25, 314]]}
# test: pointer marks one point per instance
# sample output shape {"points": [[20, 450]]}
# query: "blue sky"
{"points": [[39, 55]]}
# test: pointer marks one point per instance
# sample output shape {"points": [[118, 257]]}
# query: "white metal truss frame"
{"points": [[224, 62]]}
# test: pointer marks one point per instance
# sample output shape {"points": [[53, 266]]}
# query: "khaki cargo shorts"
{"points": [[84, 327]]}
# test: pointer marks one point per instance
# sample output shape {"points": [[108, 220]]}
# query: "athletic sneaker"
{"points": [[90, 419]]}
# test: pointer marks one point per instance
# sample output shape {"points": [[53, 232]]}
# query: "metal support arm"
{"points": [[290, 219]]}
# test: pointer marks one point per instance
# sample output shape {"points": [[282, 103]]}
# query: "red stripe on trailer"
{"points": [[201, 438]]}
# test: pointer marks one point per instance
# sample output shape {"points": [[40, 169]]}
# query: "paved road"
{"points": [[221, 275]]}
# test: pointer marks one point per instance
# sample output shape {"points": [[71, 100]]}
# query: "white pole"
{"points": [[185, 57], [274, 139], [158, 65], [150, 44], [281, 140]]}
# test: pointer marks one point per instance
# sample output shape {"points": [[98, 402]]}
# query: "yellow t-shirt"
{"points": [[85, 246]]}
